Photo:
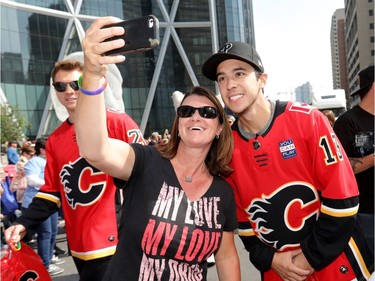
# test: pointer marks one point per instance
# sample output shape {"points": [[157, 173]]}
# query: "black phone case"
{"points": [[141, 35]]}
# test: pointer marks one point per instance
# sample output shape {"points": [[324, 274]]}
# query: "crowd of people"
{"points": [[21, 180], [297, 185]]}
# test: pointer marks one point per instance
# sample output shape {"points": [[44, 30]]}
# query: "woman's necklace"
{"points": [[190, 178]]}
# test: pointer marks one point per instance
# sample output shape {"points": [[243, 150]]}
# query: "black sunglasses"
{"points": [[208, 112], [61, 86]]}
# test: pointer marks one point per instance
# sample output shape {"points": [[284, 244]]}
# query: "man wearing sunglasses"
{"points": [[88, 197], [61, 86], [296, 194]]}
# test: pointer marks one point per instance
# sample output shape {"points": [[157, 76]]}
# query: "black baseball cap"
{"points": [[232, 50], [365, 78]]}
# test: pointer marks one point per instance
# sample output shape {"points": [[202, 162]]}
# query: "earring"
{"points": [[217, 137]]}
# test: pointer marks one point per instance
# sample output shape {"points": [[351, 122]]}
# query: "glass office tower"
{"points": [[35, 34]]}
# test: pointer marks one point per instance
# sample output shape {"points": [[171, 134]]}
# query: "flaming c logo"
{"points": [[29, 276], [83, 183], [283, 217]]}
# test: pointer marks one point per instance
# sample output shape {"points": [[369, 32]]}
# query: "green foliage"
{"points": [[13, 124]]}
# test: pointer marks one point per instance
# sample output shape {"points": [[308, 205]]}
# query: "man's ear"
{"points": [[263, 80]]}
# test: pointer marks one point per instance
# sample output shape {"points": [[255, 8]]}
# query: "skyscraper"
{"points": [[34, 36], [338, 56], [359, 34]]}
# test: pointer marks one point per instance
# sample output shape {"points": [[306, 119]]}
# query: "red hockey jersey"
{"points": [[295, 188], [86, 195]]}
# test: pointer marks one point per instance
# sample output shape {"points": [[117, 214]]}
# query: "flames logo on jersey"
{"points": [[83, 183], [29, 276], [286, 216]]}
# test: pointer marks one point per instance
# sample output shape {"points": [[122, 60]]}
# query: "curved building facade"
{"points": [[35, 34]]}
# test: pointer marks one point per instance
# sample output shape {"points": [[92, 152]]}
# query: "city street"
{"points": [[248, 272]]}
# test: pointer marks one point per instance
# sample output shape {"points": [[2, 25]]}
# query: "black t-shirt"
{"points": [[355, 130], [163, 235]]}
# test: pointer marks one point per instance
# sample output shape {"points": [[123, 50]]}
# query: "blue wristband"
{"points": [[92, 93]]}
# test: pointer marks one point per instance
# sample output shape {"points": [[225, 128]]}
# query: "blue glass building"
{"points": [[37, 33]]}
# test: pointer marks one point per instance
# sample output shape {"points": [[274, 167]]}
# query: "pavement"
{"points": [[248, 271]]}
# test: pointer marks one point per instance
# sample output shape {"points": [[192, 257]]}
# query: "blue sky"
{"points": [[293, 40]]}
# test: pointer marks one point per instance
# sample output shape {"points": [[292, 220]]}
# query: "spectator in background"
{"points": [[47, 230], [166, 136], [12, 153], [19, 182], [355, 130], [8, 206], [154, 139], [231, 119], [2, 226], [4, 147], [331, 116], [27, 144]]}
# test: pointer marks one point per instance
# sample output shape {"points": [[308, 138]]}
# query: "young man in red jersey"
{"points": [[86, 194], [295, 190]]}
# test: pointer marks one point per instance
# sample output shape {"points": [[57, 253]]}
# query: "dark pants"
{"points": [[92, 270], [46, 238]]}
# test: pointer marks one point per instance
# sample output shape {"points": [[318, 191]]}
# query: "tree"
{"points": [[13, 124]]}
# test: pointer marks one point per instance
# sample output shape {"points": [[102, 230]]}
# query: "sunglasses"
{"points": [[208, 112], [61, 86]]}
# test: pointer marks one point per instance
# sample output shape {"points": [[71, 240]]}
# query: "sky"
{"points": [[292, 38]]}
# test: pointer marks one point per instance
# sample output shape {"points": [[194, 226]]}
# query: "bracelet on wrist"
{"points": [[95, 92]]}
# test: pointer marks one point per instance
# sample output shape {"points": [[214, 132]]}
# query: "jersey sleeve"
{"points": [[339, 195], [332, 169], [260, 254], [38, 211]]}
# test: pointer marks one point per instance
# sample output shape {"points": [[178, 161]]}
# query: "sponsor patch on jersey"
{"points": [[287, 149]]}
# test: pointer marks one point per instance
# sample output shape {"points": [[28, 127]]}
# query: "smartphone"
{"points": [[141, 34]]}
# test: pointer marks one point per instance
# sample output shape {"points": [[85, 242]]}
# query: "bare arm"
{"points": [[226, 259], [362, 164], [112, 156]]}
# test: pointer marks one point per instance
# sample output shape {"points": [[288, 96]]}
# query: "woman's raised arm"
{"points": [[112, 156]]}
